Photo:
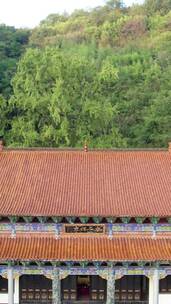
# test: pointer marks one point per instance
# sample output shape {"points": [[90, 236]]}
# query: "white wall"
{"points": [[165, 298], [4, 296]]}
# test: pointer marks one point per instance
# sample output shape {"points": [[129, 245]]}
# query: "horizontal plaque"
{"points": [[84, 228]]}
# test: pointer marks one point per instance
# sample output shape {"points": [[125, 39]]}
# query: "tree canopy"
{"points": [[12, 45], [101, 76]]}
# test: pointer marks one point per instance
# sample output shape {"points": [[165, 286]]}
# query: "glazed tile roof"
{"points": [[98, 183], [85, 248]]}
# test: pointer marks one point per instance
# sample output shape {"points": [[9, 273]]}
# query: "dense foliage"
{"points": [[101, 76], [12, 45]]}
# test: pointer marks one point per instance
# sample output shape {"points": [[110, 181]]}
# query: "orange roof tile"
{"points": [[84, 248], [98, 183]]}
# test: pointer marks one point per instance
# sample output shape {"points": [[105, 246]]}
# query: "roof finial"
{"points": [[85, 146]]}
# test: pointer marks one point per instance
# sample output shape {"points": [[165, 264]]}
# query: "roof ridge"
{"points": [[41, 236], [70, 149]]}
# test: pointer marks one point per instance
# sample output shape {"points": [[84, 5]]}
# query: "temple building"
{"points": [[85, 226]]}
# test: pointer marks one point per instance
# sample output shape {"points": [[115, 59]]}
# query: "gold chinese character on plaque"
{"points": [[84, 228]]}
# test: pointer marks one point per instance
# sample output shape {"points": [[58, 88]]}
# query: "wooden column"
{"points": [[16, 293], [154, 288], [56, 287], [111, 287], [10, 286]]}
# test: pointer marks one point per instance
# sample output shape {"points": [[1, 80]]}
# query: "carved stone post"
{"points": [[111, 287], [10, 286], [56, 287]]}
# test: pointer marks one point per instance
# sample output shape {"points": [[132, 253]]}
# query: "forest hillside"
{"points": [[101, 76]]}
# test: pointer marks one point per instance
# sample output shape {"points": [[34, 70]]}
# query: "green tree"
{"points": [[12, 45], [3, 116], [118, 4], [58, 102], [161, 6], [101, 75]]}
